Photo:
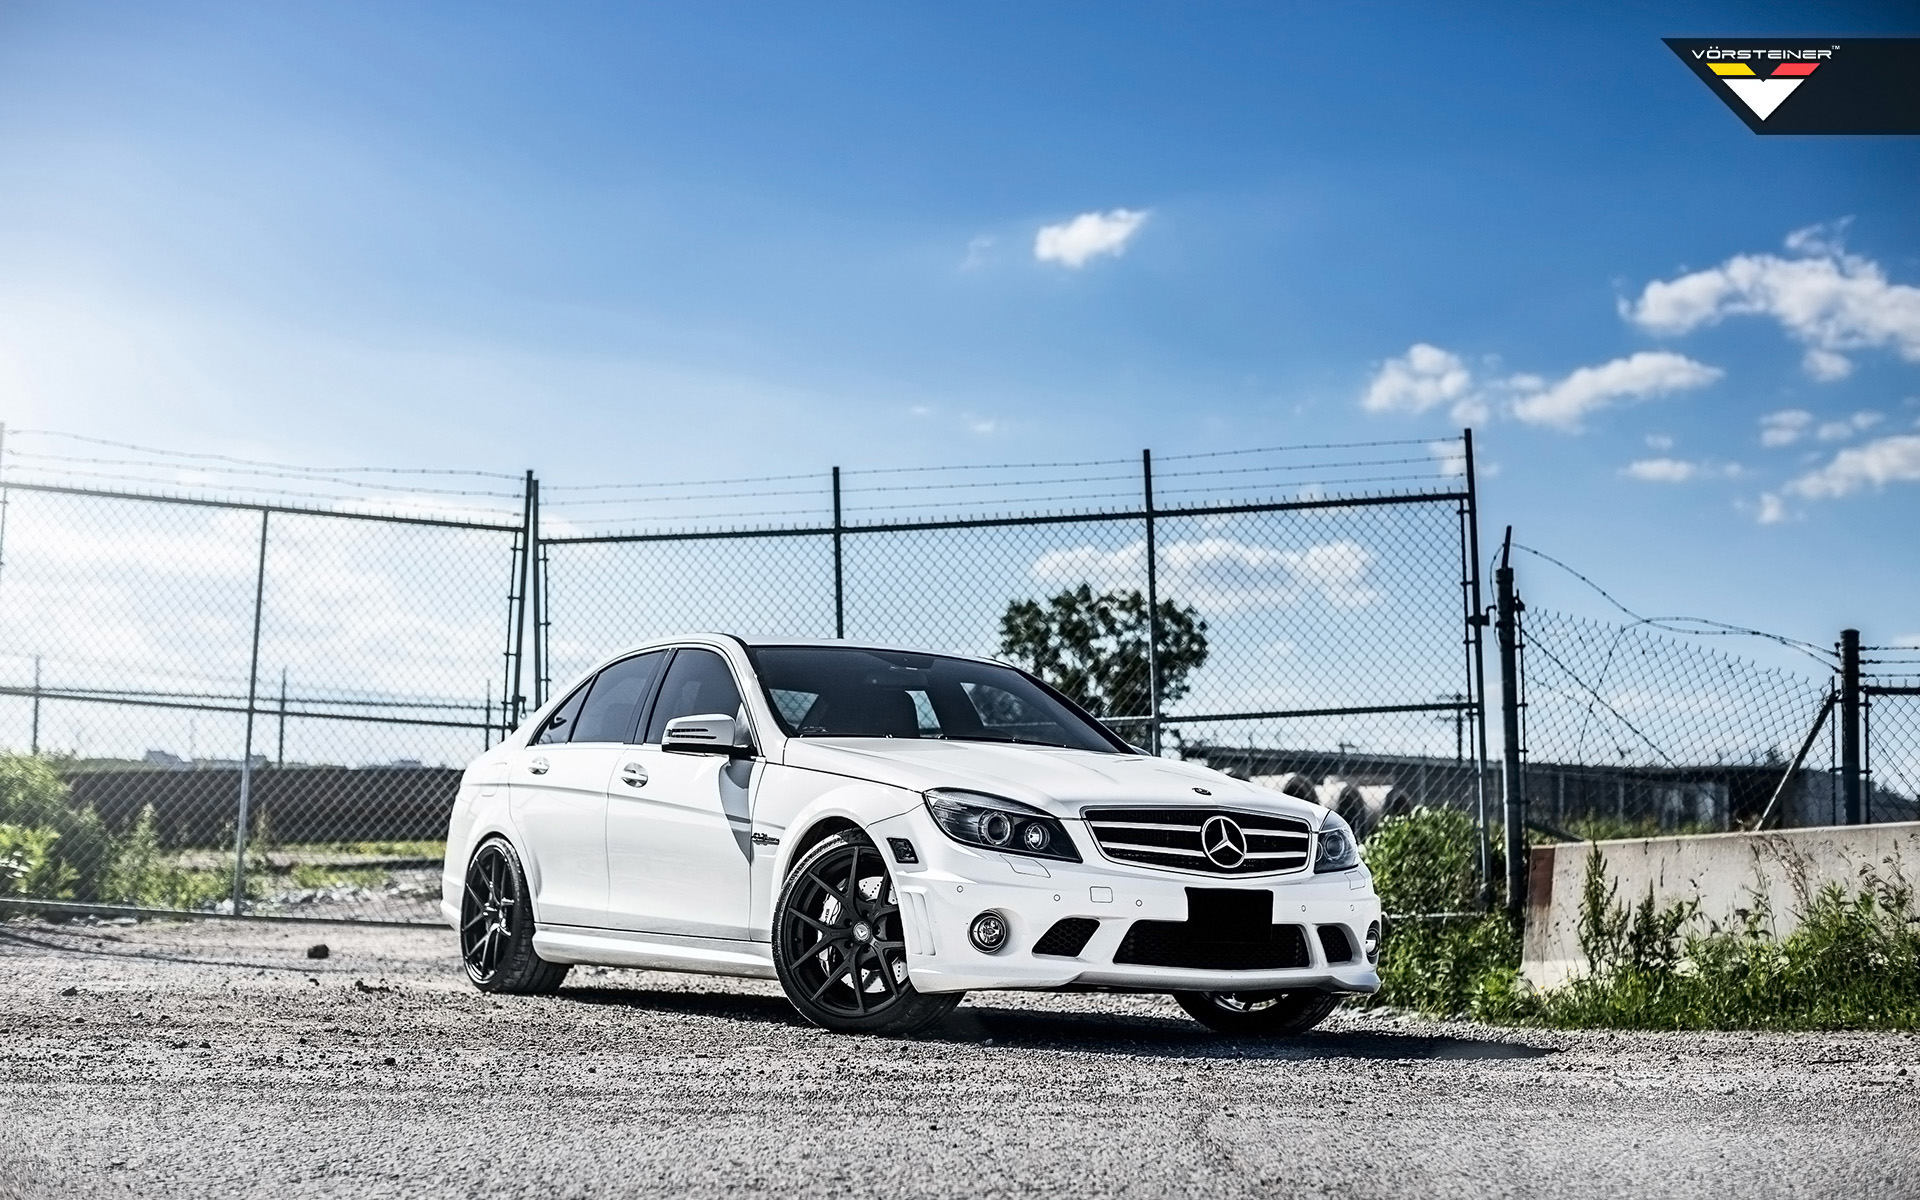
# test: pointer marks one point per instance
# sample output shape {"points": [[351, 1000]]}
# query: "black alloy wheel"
{"points": [[1261, 1014], [839, 945], [496, 926]]}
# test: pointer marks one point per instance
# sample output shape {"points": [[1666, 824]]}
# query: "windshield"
{"points": [[835, 691]]}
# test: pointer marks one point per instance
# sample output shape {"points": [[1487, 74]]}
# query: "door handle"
{"points": [[537, 767], [633, 775]]}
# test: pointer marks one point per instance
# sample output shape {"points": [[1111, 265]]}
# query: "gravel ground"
{"points": [[217, 1059]]}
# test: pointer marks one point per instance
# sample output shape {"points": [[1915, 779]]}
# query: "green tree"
{"points": [[71, 840], [1094, 647]]}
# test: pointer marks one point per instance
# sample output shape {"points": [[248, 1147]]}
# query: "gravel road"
{"points": [[218, 1059]]}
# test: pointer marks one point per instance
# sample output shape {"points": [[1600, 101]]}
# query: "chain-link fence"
{"points": [[1890, 719], [1681, 725], [1647, 726], [262, 701], [211, 702], [1296, 615]]}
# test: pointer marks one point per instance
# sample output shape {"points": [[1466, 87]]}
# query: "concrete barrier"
{"points": [[1728, 874]]}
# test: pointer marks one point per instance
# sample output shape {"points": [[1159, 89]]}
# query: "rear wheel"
{"points": [[496, 927], [840, 948], [1259, 1014]]}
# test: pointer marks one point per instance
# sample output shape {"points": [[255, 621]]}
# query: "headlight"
{"points": [[1338, 849], [993, 823]]}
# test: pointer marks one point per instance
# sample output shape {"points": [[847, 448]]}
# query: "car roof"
{"points": [[759, 640]]}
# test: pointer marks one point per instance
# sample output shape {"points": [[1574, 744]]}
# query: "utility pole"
{"points": [[1850, 723], [1513, 781]]}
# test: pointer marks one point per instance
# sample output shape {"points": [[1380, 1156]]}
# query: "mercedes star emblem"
{"points": [[1224, 842]]}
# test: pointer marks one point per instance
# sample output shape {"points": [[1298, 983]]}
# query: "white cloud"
{"points": [[1910, 641], [1877, 463], [1424, 378], [1451, 457], [1641, 376], [1090, 234], [1659, 441], [1826, 366], [1772, 510], [1841, 430], [1218, 574], [1826, 298], [979, 249], [1662, 470], [1785, 427], [1677, 470]]}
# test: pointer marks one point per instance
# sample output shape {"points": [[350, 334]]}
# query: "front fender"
{"points": [[793, 803]]}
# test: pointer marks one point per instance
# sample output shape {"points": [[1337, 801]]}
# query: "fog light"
{"points": [[1372, 944], [988, 933]]}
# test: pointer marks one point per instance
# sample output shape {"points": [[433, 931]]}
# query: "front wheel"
{"points": [[496, 927], [840, 948], [1258, 1014]]}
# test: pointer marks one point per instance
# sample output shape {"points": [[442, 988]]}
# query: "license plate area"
{"points": [[1230, 914]]}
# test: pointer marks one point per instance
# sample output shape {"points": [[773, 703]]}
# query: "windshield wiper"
{"points": [[996, 737]]}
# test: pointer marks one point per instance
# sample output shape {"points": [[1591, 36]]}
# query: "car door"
{"points": [[559, 790], [679, 848]]}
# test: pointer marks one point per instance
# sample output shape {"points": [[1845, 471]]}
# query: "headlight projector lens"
{"points": [[988, 933]]}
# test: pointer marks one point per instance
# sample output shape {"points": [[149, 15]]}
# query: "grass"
{"points": [[1853, 961]]}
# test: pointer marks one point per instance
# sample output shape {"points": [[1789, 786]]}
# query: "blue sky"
{"points": [[622, 242]]}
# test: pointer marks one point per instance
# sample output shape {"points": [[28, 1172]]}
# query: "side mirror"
{"points": [[711, 733]]}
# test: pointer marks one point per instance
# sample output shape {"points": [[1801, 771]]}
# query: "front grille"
{"points": [[1181, 944], [1068, 937], [1171, 837]]}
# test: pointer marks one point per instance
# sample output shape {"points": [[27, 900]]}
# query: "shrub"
{"points": [[33, 797], [1438, 955], [1853, 963], [142, 875], [28, 865]]}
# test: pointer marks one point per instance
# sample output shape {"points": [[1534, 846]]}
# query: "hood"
{"points": [[1056, 780]]}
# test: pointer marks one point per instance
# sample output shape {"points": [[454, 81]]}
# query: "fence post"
{"points": [[33, 747], [512, 699], [1850, 723], [246, 750], [537, 597], [839, 566], [1513, 783], [1477, 636], [1153, 609], [280, 745]]}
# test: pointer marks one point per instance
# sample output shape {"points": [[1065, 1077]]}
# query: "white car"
{"points": [[883, 830]]}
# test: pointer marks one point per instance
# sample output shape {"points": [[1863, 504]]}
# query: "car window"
{"points": [[698, 683], [851, 691], [558, 728], [613, 702]]}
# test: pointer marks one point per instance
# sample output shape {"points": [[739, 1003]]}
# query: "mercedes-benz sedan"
{"points": [[883, 830]]}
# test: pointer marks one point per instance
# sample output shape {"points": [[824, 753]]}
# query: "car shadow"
{"points": [[996, 1028]]}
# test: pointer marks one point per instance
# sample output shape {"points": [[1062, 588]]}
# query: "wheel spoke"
{"points": [[822, 926], [832, 977], [885, 971]]}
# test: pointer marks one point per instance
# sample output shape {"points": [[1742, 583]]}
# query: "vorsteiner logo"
{"points": [[1864, 85]]}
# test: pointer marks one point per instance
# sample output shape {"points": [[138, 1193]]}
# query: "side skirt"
{"points": [[654, 951]]}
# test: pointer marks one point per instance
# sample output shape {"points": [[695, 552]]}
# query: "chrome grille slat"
{"points": [[1154, 836]]}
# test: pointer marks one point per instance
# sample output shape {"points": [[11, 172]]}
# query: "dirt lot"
{"points": [[218, 1059]]}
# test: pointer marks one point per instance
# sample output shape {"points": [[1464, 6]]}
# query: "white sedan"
{"points": [[883, 830]]}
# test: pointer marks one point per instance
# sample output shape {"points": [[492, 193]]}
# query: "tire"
{"points": [[1258, 1014], [840, 948], [496, 927]]}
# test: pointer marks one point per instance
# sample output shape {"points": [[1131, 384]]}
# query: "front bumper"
{"points": [[952, 884]]}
